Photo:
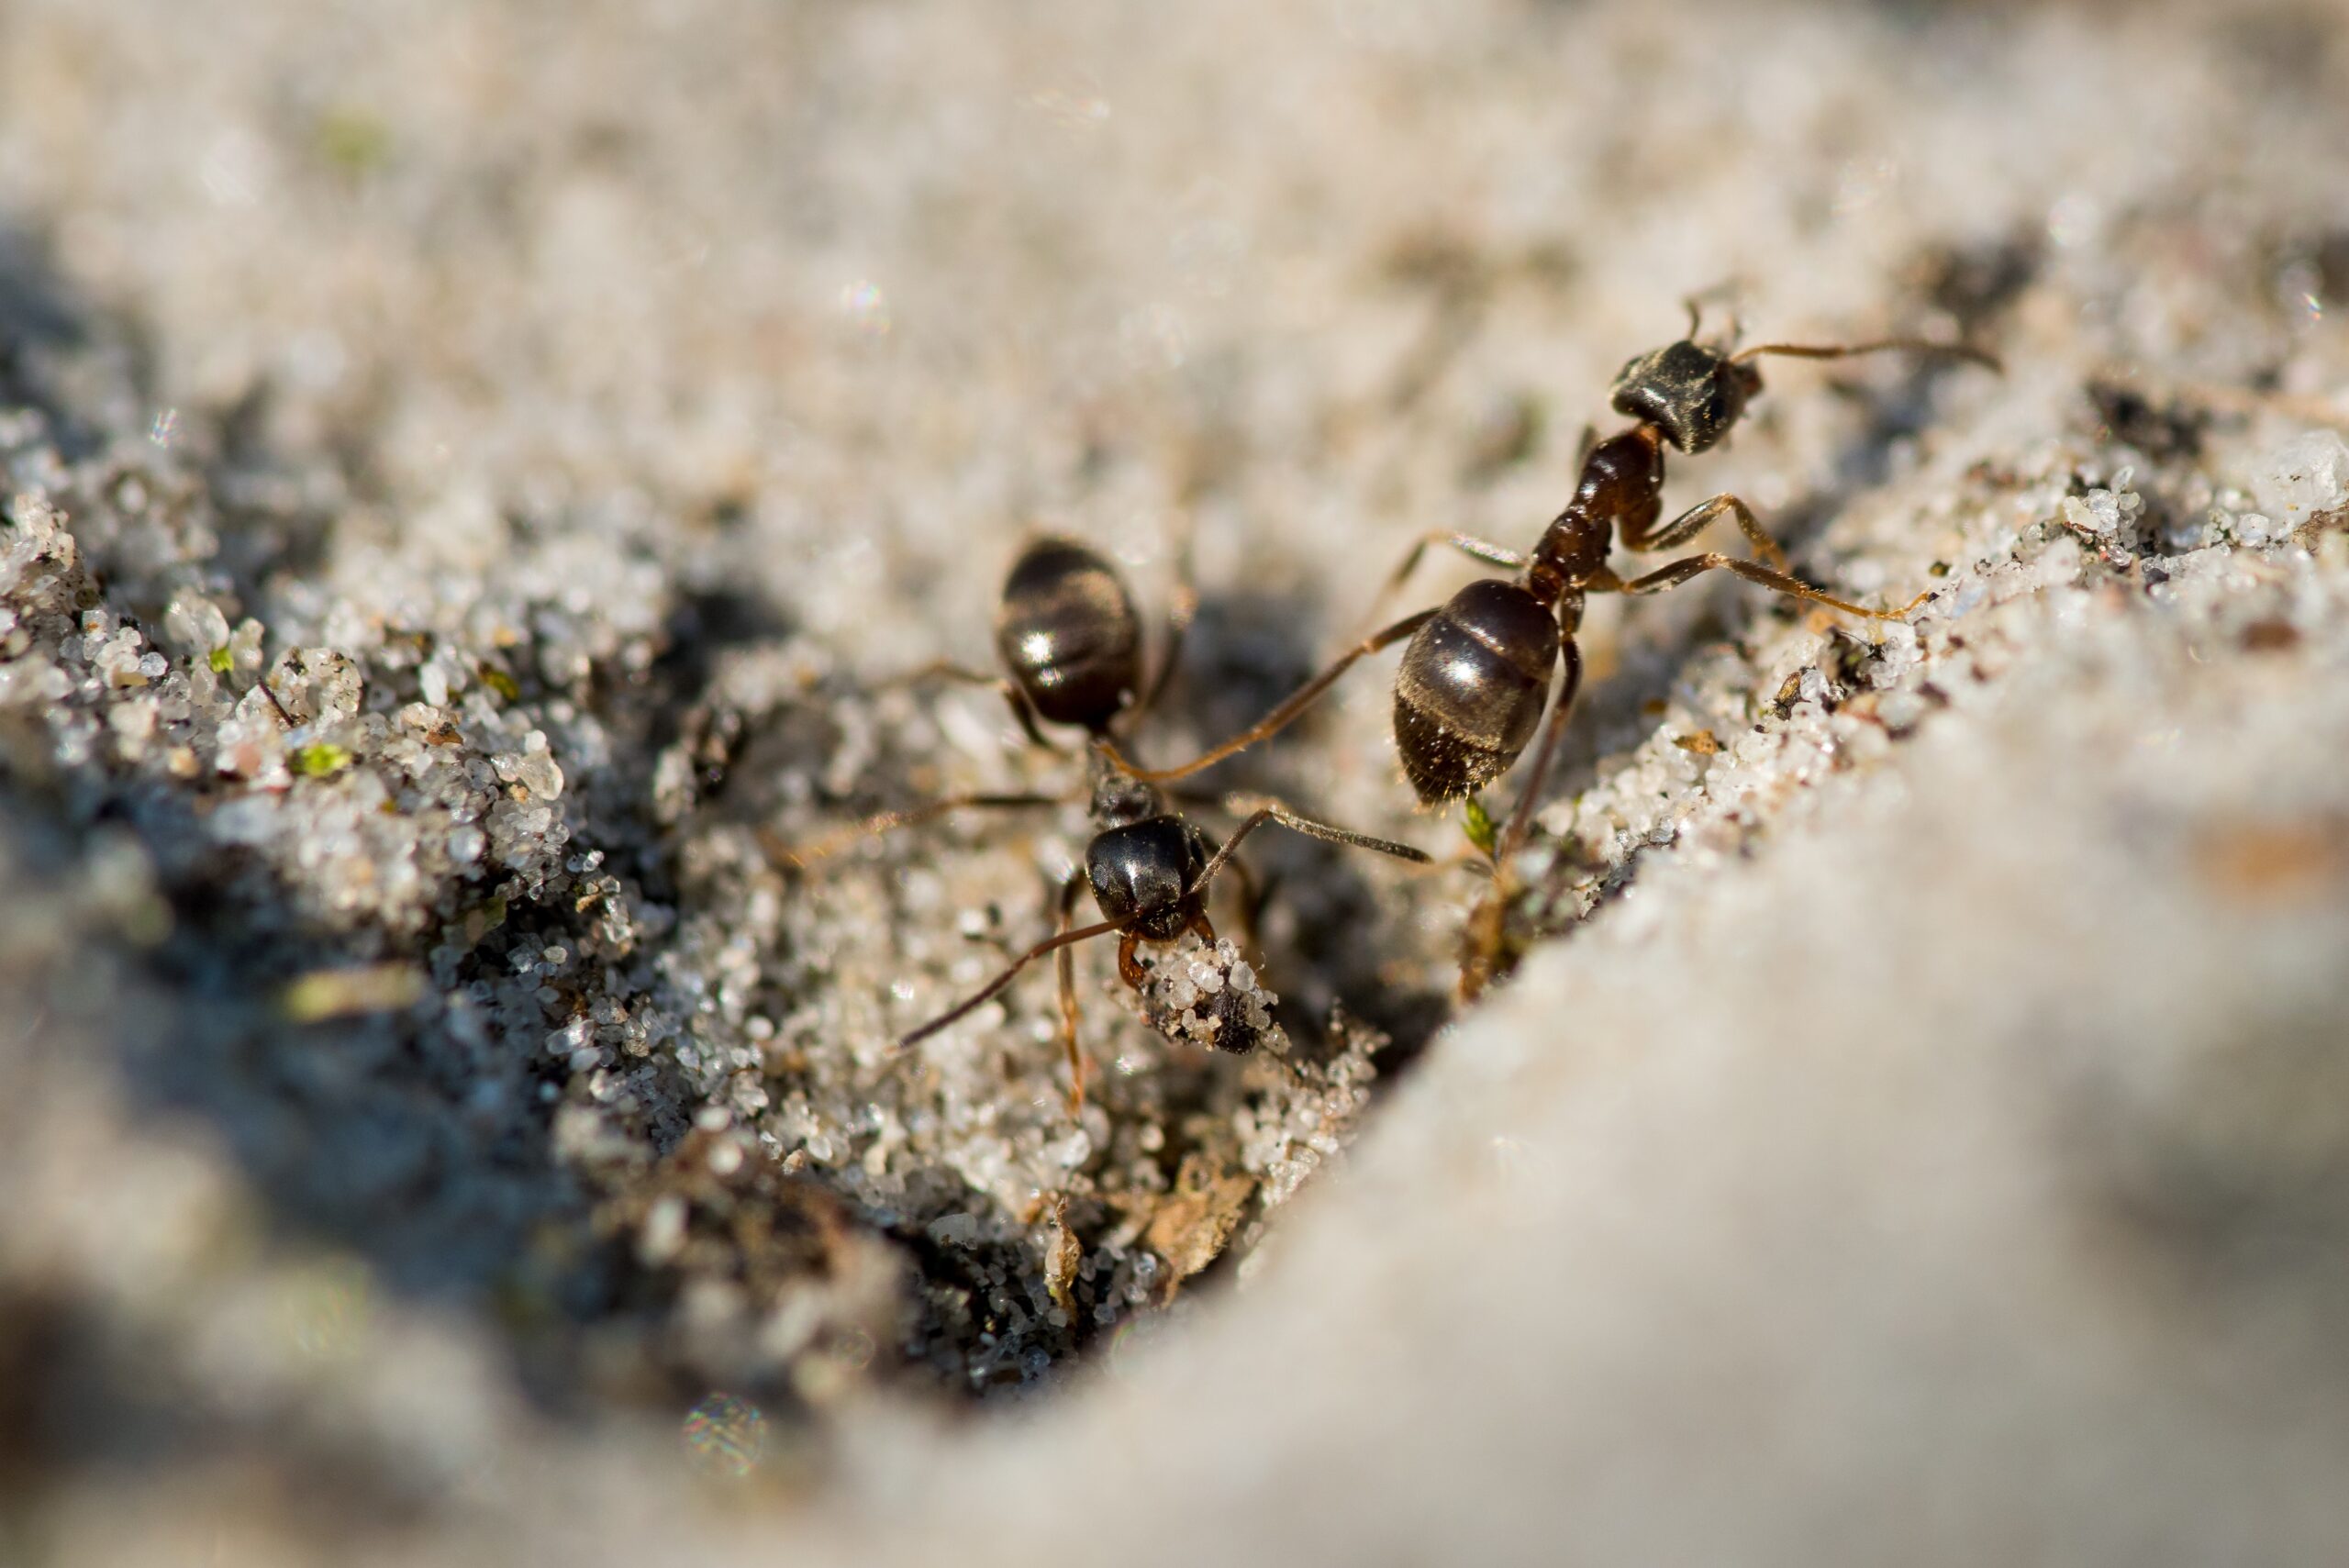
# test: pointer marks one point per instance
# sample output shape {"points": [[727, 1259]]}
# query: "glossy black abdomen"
{"points": [[1068, 633], [1470, 690]]}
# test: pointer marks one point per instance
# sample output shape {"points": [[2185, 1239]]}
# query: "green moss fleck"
{"points": [[320, 758], [355, 142], [1478, 824]]}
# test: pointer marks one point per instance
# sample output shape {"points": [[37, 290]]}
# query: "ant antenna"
{"points": [[802, 856], [1881, 345], [1283, 715], [1695, 305], [996, 988], [1263, 809]]}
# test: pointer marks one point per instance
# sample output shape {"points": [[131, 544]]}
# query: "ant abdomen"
{"points": [[1145, 875], [1069, 634], [1470, 690]]}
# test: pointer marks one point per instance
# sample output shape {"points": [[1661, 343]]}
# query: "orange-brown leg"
{"points": [[1286, 711], [800, 857], [946, 670], [996, 988], [1696, 519], [1475, 548], [1679, 571], [1129, 969], [1485, 956]]}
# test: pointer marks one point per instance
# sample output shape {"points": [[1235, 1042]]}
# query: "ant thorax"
{"points": [[1117, 797]]}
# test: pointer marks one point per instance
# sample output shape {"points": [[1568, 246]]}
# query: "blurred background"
{"points": [[440, 1136]]}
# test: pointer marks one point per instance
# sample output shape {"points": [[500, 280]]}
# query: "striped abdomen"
{"points": [[1471, 687], [1068, 633]]}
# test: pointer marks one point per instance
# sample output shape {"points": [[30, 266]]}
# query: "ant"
{"points": [[1473, 680], [1071, 641]]}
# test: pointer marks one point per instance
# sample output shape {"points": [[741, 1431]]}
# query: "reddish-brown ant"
{"points": [[1470, 691], [1069, 636]]}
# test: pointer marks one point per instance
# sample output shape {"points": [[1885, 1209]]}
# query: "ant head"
{"points": [[1693, 394], [1068, 633], [1143, 874]]}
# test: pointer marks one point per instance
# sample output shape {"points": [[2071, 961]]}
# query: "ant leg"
{"points": [[1529, 798], [1262, 808], [1679, 571], [1877, 346], [945, 669], [1488, 922], [1461, 860], [962, 675], [1129, 969], [801, 856], [1285, 714], [1696, 519], [1024, 712], [1179, 616], [1475, 548], [1065, 960], [995, 987]]}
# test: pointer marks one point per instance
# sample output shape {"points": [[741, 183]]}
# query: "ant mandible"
{"points": [[1068, 635], [1473, 682]]}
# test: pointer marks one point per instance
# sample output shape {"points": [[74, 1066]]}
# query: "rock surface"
{"points": [[477, 477]]}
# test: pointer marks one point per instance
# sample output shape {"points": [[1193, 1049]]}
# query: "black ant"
{"points": [[1470, 691], [1068, 634]]}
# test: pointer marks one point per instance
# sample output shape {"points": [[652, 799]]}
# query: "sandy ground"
{"points": [[478, 477]]}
